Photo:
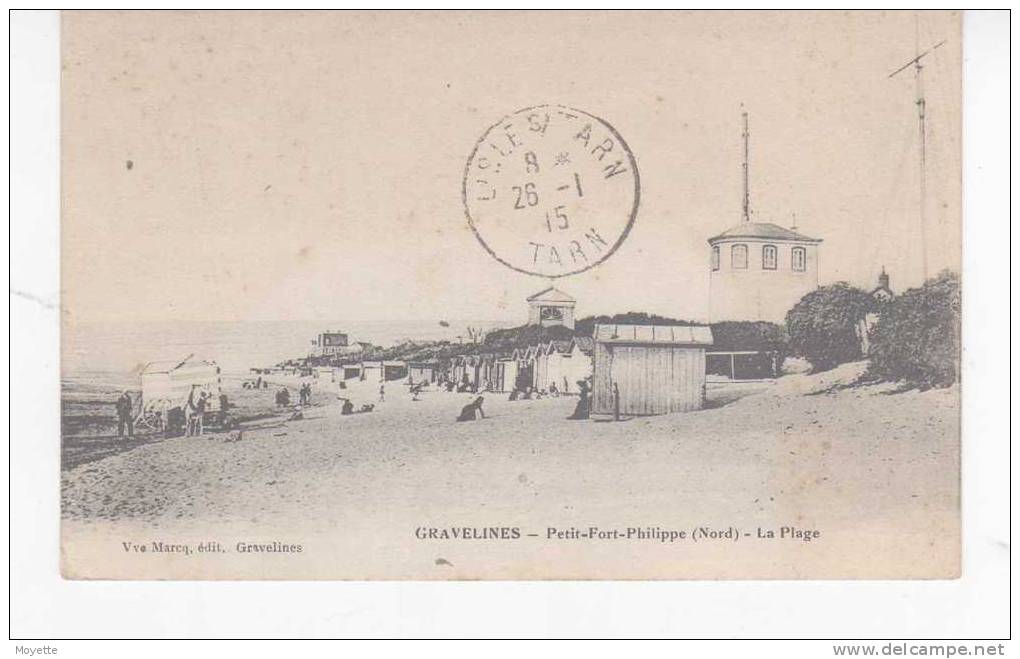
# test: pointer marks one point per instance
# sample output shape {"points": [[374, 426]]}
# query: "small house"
{"points": [[649, 369], [331, 343]]}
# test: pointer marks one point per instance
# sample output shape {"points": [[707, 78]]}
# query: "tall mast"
{"points": [[922, 133], [747, 196], [923, 172]]}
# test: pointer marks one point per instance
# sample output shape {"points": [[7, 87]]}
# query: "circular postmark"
{"points": [[551, 190]]}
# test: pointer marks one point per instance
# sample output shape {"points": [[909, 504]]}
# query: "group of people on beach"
{"points": [[199, 401]]}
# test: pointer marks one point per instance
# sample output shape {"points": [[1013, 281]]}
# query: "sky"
{"points": [[307, 166]]}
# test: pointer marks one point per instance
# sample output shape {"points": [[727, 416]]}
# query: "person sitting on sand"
{"points": [[553, 390], [415, 390], [347, 407], [472, 410], [282, 397], [515, 394], [367, 407]]}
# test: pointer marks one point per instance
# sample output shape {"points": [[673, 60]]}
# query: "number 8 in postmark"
{"points": [[551, 190]]}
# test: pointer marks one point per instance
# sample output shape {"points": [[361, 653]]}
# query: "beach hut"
{"points": [[372, 371], [555, 368], [578, 364], [649, 369], [472, 369], [524, 369], [418, 372], [166, 385], [325, 373], [487, 371], [350, 371], [394, 370], [505, 374]]}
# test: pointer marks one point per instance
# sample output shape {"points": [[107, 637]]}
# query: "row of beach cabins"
{"points": [[633, 369], [554, 365]]}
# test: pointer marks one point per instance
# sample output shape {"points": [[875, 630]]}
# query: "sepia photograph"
{"points": [[510, 324], [335, 309]]}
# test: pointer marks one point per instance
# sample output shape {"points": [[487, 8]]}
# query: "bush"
{"points": [[586, 326], [750, 335], [917, 337], [823, 327]]}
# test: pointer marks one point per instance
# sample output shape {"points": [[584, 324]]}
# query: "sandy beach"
{"points": [[876, 479]]}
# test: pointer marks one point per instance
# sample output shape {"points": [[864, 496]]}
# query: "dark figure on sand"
{"points": [[196, 413], [583, 408], [305, 394], [221, 416], [282, 398], [472, 410], [125, 415]]}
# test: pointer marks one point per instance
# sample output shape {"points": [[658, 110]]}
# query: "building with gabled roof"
{"points": [[551, 306]]}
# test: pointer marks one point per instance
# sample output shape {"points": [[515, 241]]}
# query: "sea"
{"points": [[114, 354]]}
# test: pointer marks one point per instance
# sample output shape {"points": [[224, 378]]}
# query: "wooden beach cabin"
{"points": [[649, 369]]}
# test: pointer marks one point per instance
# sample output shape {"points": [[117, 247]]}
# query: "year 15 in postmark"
{"points": [[551, 190]]}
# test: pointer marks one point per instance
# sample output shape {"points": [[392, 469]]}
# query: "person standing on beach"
{"points": [[125, 411], [583, 408], [382, 392], [189, 413], [224, 406], [200, 413]]}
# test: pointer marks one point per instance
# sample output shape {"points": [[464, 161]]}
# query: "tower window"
{"points": [[715, 257], [768, 257], [799, 259], [738, 257]]}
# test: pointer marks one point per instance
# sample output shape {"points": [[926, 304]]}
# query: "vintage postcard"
{"points": [[510, 295]]}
